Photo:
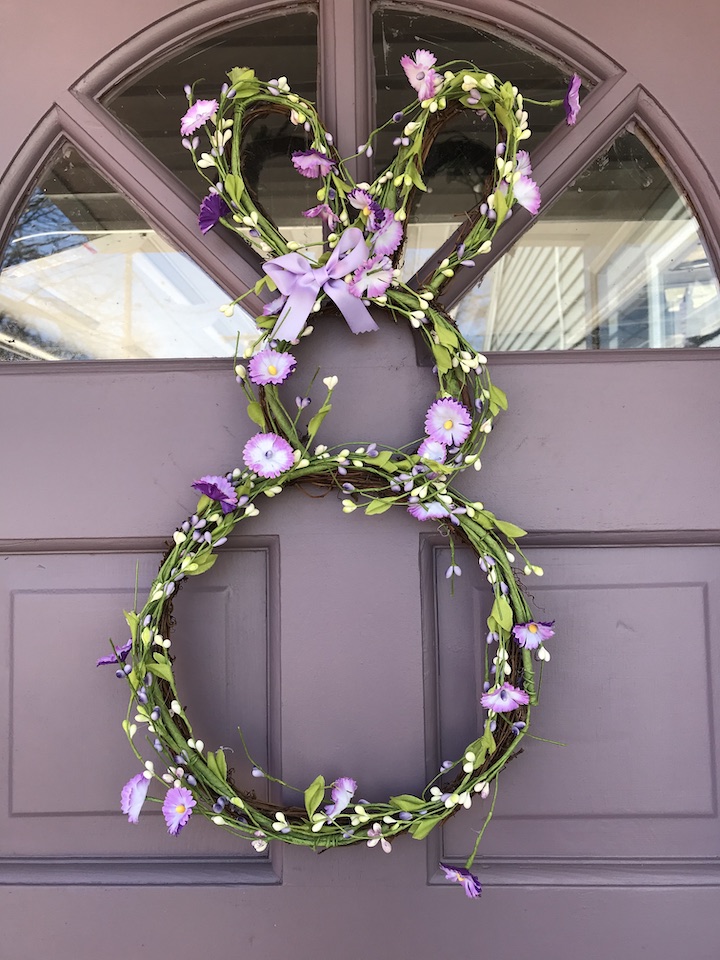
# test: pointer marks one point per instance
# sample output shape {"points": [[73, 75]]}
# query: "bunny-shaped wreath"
{"points": [[357, 266]]}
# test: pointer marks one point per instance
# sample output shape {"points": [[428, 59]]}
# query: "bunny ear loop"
{"points": [[377, 212]]}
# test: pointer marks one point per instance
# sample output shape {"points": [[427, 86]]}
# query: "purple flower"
{"points": [[212, 209], [268, 454], [448, 421], [572, 100], [387, 233], [527, 194], [433, 450], [430, 510], [198, 114], [522, 163], [120, 655], [471, 884], [505, 698], [343, 790], [312, 163], [422, 77], [531, 635], [274, 306], [325, 213], [361, 200], [177, 808], [373, 278], [133, 796], [271, 366], [219, 489]]}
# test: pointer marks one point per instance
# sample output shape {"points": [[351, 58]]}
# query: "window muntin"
{"points": [[617, 262], [84, 276]]}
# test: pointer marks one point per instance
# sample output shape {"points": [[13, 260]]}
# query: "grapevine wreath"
{"points": [[356, 266]]}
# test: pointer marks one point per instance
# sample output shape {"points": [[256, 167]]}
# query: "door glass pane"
{"points": [[84, 277], [464, 151], [151, 107], [616, 262]]}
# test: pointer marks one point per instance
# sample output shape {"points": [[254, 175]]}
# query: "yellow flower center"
{"points": [[272, 370], [448, 424], [366, 211], [532, 627], [180, 808]]}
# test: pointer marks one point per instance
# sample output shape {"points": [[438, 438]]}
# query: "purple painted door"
{"points": [[333, 641]]}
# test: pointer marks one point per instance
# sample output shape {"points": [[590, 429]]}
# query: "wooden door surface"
{"points": [[333, 641]]}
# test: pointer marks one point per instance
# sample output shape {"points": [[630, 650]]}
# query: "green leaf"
{"points": [[314, 795], [502, 612], [504, 117], [442, 358], [382, 460], [132, 620], [240, 75], [501, 207], [446, 335], [314, 424], [376, 507], [161, 670], [499, 396], [221, 763], [412, 172], [201, 564], [510, 530], [255, 412], [406, 801], [421, 828], [234, 188]]}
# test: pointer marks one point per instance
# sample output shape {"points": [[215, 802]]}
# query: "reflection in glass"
{"points": [[151, 107], [617, 262], [83, 277], [464, 151]]}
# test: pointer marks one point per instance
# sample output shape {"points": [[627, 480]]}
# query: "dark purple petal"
{"points": [[212, 209], [120, 655]]}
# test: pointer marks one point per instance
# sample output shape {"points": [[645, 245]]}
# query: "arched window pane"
{"points": [[84, 276], [151, 108], [464, 151], [616, 262]]}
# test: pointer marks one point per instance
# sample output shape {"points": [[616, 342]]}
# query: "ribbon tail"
{"points": [[294, 315], [356, 314]]}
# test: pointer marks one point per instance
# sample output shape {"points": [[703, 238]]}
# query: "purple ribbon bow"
{"points": [[297, 279]]}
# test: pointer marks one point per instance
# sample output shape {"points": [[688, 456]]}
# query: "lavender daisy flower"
{"points": [[433, 450], [505, 698], [325, 213], [572, 100], [177, 808], [387, 233], [430, 510], [522, 163], [133, 796], [343, 790], [270, 366], [531, 635], [219, 489], [198, 114], [527, 194], [120, 655], [212, 209], [373, 278], [448, 421], [312, 163], [422, 77], [471, 884], [268, 455]]}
